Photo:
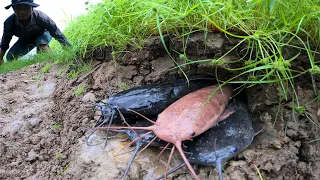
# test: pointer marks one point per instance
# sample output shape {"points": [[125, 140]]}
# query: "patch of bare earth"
{"points": [[43, 124]]}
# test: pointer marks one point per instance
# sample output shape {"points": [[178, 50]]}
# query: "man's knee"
{"points": [[43, 48], [10, 56], [43, 39]]}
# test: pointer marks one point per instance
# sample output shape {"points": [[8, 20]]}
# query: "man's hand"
{"points": [[1, 56]]}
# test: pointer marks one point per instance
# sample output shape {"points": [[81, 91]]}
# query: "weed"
{"points": [[258, 171], [41, 89], [315, 140], [63, 170], [46, 68], [37, 77], [76, 70], [300, 110], [60, 72], [58, 55], [58, 155], [79, 90], [57, 126], [123, 86]]}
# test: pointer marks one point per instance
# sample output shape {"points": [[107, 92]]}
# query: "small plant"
{"points": [[79, 90], [300, 110], [258, 171], [315, 70], [63, 169], [56, 126], [77, 69], [315, 140], [41, 89], [37, 77], [124, 86], [58, 155], [46, 68], [73, 74]]}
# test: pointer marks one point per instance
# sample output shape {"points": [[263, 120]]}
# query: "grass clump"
{"points": [[120, 22], [57, 55], [79, 90], [265, 27], [57, 126], [63, 170]]}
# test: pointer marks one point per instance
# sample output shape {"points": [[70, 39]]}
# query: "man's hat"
{"points": [[27, 2]]}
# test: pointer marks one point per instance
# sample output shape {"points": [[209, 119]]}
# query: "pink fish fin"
{"points": [[178, 146], [226, 113], [165, 148], [135, 140], [169, 160], [147, 145]]}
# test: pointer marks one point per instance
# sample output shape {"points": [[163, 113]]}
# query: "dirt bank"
{"points": [[43, 122]]}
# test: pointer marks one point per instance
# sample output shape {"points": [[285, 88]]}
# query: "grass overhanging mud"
{"points": [[266, 27]]}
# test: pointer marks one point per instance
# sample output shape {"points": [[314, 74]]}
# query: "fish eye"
{"points": [[193, 133], [234, 149]]}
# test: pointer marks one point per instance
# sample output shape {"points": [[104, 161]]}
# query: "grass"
{"points": [[41, 89], [16, 65], [258, 171], [58, 155], [265, 27], [58, 56], [60, 173], [124, 86], [79, 90], [46, 68], [57, 126], [121, 22]]}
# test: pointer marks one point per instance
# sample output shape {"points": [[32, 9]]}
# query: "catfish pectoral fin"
{"points": [[226, 113]]}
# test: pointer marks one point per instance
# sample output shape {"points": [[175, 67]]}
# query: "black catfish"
{"points": [[148, 100]]}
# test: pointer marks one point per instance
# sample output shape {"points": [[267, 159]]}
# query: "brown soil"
{"points": [[43, 124]]}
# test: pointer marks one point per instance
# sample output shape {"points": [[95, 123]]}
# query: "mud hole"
{"points": [[43, 122]]}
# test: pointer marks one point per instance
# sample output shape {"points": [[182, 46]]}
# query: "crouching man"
{"points": [[32, 27]]}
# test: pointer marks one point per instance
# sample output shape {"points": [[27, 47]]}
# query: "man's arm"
{"points": [[6, 37], [2, 52], [54, 31]]}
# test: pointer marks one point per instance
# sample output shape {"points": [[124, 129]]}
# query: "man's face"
{"points": [[22, 11]]}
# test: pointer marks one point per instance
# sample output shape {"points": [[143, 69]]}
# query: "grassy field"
{"points": [[266, 25]]}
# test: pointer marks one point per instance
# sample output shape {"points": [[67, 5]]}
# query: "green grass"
{"points": [[18, 64], [124, 86], [58, 56], [46, 68], [63, 170], [79, 90], [57, 126], [120, 22], [267, 26], [41, 89], [58, 155]]}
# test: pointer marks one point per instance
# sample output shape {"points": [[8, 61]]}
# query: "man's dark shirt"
{"points": [[39, 23]]}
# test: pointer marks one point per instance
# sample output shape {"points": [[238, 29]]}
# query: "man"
{"points": [[32, 27]]}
